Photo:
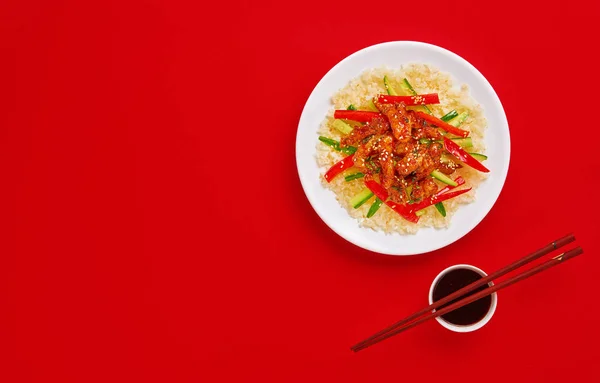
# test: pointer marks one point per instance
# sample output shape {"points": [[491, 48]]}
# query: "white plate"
{"points": [[393, 55]]}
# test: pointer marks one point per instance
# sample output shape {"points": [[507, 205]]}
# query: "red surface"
{"points": [[134, 247]]}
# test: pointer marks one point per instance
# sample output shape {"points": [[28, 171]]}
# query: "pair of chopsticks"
{"points": [[412, 321]]}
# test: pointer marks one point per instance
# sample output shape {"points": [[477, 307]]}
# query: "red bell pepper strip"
{"points": [[437, 198], [404, 211], [356, 115], [443, 125], [459, 181], [418, 99], [382, 194], [462, 155], [377, 189], [339, 167], [427, 201]]}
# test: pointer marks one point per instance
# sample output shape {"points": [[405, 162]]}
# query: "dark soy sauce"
{"points": [[453, 281]]}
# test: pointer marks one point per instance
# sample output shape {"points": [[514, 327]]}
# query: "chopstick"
{"points": [[391, 330]]}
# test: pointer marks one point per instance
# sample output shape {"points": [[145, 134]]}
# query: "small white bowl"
{"points": [[474, 326], [393, 55]]}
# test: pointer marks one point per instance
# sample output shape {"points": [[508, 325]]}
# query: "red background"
{"points": [[154, 227]]}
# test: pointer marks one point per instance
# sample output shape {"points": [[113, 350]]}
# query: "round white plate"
{"points": [[393, 55]]}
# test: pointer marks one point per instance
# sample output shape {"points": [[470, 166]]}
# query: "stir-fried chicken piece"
{"points": [[421, 161], [426, 132], [397, 192], [409, 163], [398, 118], [418, 161], [374, 127], [364, 151], [448, 167], [386, 160], [435, 151], [378, 150], [423, 189], [426, 166], [403, 148]]}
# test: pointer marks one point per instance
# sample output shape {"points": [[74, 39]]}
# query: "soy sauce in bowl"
{"points": [[453, 281]]}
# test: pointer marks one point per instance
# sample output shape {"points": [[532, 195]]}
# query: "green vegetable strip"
{"points": [[456, 122], [354, 176], [342, 126], [333, 143], [464, 142], [408, 191], [413, 92], [422, 211], [373, 209], [440, 207], [362, 197], [371, 106], [351, 107], [388, 86], [479, 157], [443, 178], [449, 116], [336, 145]]}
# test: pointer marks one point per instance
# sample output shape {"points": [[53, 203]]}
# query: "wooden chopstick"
{"points": [[484, 293], [480, 282]]}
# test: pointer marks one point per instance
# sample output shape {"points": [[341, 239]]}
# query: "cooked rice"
{"points": [[425, 79]]}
